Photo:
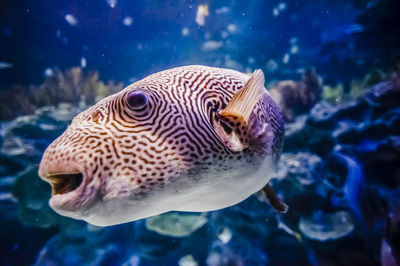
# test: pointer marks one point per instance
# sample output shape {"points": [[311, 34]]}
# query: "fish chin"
{"points": [[75, 204], [73, 190]]}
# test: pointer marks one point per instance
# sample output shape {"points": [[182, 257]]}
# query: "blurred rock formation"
{"points": [[70, 86], [338, 173], [297, 97]]}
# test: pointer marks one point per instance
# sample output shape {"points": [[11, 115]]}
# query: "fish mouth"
{"points": [[72, 195], [64, 183]]}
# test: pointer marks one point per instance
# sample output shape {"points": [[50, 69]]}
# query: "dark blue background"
{"points": [[34, 35]]}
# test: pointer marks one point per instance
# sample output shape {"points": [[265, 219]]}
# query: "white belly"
{"points": [[208, 193]]}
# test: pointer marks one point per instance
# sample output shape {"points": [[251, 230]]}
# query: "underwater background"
{"points": [[332, 66]]}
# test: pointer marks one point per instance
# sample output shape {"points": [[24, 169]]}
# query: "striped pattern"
{"points": [[126, 152]]}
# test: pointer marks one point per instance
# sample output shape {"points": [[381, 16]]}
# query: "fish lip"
{"points": [[75, 202]]}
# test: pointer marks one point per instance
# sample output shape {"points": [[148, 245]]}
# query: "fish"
{"points": [[192, 138]]}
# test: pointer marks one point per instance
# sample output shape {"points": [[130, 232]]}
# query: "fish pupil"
{"points": [[136, 99]]}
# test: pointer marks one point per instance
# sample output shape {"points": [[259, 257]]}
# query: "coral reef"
{"points": [[175, 224], [338, 173], [357, 87], [70, 86], [323, 227], [297, 97]]}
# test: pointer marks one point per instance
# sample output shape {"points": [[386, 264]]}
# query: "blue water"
{"points": [[339, 170], [36, 35]]}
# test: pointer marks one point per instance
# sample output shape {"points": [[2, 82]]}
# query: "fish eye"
{"points": [[137, 99]]}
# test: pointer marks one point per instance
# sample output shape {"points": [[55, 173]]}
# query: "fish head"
{"points": [[122, 148]]}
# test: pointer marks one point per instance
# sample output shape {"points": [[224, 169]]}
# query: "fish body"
{"points": [[191, 138]]}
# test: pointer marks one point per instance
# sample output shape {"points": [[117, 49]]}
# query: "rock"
{"points": [[380, 163], [33, 195], [225, 235], [302, 166], [301, 135], [324, 227], [322, 115], [284, 249], [10, 165], [175, 224], [132, 261], [384, 97], [187, 260], [391, 242], [105, 247], [16, 146], [1, 134], [8, 203], [392, 120], [387, 258], [353, 110], [221, 255], [347, 132]]}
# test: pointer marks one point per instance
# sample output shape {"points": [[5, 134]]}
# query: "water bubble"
{"points": [[282, 6], [185, 31], [112, 3], [127, 21], [83, 62], [48, 72], [232, 28], [294, 49], [275, 12], [286, 58], [71, 19]]}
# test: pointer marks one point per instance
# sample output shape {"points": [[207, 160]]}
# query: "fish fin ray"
{"points": [[244, 100]]}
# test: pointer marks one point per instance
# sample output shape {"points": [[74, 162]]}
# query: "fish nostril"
{"points": [[64, 183]]}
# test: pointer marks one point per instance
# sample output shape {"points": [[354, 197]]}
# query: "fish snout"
{"points": [[65, 169]]}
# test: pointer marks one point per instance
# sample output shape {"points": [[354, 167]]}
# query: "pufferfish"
{"points": [[191, 138]]}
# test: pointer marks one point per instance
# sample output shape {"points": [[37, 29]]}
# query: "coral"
{"points": [[357, 88], [338, 173], [323, 227], [70, 86], [33, 194], [333, 94], [297, 97], [175, 224]]}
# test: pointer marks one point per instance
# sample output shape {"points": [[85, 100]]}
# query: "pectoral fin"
{"points": [[243, 102], [274, 200], [237, 115]]}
